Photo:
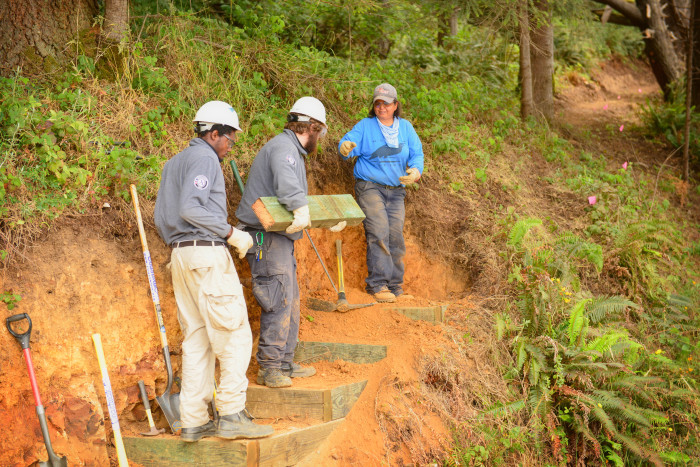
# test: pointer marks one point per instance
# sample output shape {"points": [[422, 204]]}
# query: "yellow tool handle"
{"points": [[341, 278], [119, 444]]}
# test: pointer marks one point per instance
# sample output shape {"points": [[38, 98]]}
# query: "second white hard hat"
{"points": [[311, 107], [216, 112]]}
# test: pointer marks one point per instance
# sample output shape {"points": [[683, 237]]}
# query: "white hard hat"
{"points": [[311, 107], [214, 112]]}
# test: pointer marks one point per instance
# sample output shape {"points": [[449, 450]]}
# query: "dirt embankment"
{"points": [[87, 275]]}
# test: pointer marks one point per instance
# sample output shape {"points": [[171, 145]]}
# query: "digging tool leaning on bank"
{"points": [[279, 170], [389, 156], [191, 216]]}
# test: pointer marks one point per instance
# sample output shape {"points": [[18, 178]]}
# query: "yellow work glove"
{"points": [[346, 147], [411, 176], [338, 227], [302, 219], [241, 241]]}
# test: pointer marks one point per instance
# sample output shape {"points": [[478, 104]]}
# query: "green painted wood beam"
{"points": [[325, 210], [432, 314], [280, 449], [330, 351]]}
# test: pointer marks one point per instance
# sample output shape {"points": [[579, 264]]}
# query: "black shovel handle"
{"points": [[23, 338]]}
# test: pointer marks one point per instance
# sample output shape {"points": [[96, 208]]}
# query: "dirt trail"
{"points": [[87, 275]]}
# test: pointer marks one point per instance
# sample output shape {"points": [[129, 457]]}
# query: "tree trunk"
{"points": [[526, 109], [34, 31], [443, 27], [695, 88], [116, 23], [658, 46], [542, 59]]}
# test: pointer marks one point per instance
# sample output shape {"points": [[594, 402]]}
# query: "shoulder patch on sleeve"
{"points": [[291, 160], [201, 182]]}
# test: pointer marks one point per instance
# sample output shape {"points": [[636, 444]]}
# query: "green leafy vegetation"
{"points": [[600, 312]]}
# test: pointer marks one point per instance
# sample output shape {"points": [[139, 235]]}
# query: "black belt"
{"points": [[388, 187], [197, 243]]}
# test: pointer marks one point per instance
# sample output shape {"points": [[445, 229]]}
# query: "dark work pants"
{"points": [[385, 213], [276, 289]]}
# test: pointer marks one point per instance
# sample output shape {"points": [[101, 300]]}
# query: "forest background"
{"points": [[585, 258]]}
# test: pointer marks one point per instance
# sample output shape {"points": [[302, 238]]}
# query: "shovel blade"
{"points": [[170, 405], [54, 461], [362, 305], [320, 305]]}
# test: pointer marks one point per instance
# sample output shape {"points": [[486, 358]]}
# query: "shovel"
{"points": [[153, 431], [169, 403], [342, 304], [23, 339]]}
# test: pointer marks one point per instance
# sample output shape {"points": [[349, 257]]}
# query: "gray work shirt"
{"points": [[191, 201], [277, 170]]}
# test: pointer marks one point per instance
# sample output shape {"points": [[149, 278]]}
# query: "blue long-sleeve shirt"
{"points": [[377, 162]]}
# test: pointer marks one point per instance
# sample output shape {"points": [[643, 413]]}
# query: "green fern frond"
{"points": [[506, 409], [601, 307], [520, 229], [577, 321], [576, 247]]}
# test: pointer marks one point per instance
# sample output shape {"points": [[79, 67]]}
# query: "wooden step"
{"points": [[317, 404], [283, 448], [325, 211], [432, 314], [307, 352]]}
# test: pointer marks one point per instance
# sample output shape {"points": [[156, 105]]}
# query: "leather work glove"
{"points": [[346, 147], [302, 219], [241, 241], [338, 227], [411, 176]]}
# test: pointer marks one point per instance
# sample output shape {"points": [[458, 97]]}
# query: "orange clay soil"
{"points": [[87, 276]]}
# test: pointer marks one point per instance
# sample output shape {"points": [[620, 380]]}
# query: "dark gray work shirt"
{"points": [[277, 170], [191, 201]]}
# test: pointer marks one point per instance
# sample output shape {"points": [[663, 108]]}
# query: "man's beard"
{"points": [[312, 144]]}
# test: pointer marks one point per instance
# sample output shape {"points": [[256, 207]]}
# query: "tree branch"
{"points": [[628, 10]]}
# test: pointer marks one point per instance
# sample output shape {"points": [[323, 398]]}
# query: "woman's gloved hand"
{"points": [[241, 241], [302, 219], [346, 147], [411, 176]]}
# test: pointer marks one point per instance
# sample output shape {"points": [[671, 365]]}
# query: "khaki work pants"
{"points": [[214, 322]]}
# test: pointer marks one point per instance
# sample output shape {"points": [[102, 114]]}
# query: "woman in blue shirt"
{"points": [[388, 156]]}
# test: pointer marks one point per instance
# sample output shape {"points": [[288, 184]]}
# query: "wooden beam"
{"points": [[293, 448], [156, 451], [280, 449], [318, 404], [432, 314], [331, 351], [326, 211]]}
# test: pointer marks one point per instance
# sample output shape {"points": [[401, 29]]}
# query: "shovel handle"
{"points": [[341, 276], [23, 338]]}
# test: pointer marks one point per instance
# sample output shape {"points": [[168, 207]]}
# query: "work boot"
{"points": [[384, 296], [294, 370], [402, 297], [190, 435], [240, 425], [273, 378]]}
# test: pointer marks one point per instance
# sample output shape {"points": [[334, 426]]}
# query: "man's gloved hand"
{"points": [[302, 219], [338, 227], [346, 147], [411, 176], [241, 241]]}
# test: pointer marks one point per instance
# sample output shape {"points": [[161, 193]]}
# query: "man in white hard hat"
{"points": [[279, 170], [191, 216]]}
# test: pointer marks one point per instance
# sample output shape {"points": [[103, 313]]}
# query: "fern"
{"points": [[520, 229], [601, 307], [577, 322], [575, 247]]}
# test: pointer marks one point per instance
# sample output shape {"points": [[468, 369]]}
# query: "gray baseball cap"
{"points": [[385, 92]]}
